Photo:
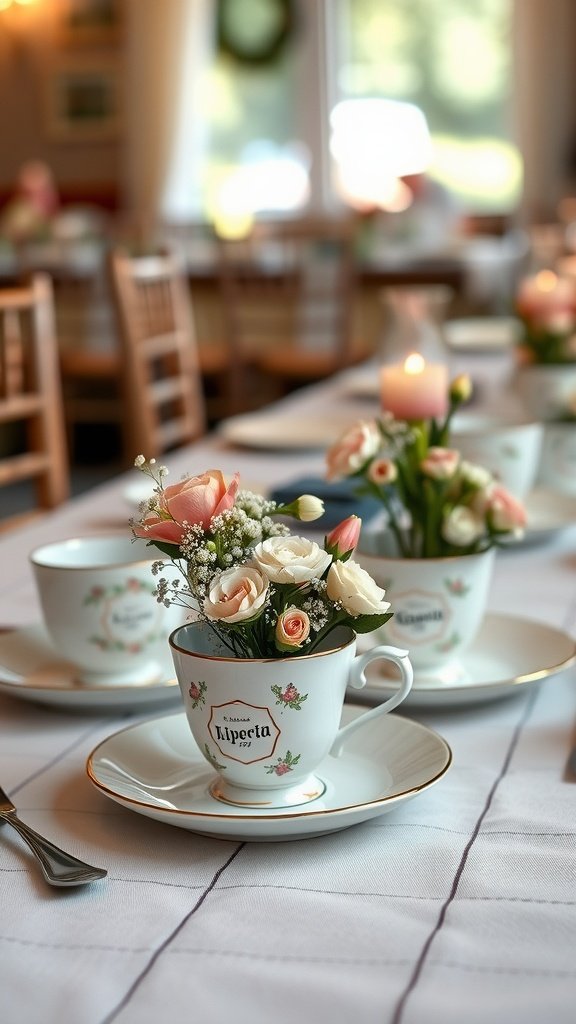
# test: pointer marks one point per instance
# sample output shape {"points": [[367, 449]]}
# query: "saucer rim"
{"points": [[229, 813], [533, 535], [164, 687], [484, 690]]}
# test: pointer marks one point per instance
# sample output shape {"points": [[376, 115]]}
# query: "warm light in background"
{"points": [[374, 143], [5, 4]]}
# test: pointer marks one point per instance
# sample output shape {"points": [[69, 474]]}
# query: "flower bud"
{"points": [[460, 389], [309, 507], [342, 540], [305, 508]]}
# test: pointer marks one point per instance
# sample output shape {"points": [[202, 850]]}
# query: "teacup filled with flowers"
{"points": [[263, 591], [266, 658], [443, 519], [546, 347]]}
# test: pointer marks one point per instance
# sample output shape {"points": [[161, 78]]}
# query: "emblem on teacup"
{"points": [[129, 617], [420, 617], [243, 732]]}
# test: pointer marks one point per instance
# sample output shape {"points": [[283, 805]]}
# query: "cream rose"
{"points": [[236, 595], [354, 588], [475, 475], [353, 449], [462, 526], [291, 559]]}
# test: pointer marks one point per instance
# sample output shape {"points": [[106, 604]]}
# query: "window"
{"points": [[449, 59], [453, 60]]}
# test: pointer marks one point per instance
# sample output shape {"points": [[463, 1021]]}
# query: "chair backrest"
{"points": [[290, 285], [162, 380], [31, 415]]}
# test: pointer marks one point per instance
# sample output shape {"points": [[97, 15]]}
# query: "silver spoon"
{"points": [[59, 868]]}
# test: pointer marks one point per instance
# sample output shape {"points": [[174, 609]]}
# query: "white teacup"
{"points": [[96, 595], [265, 725], [508, 448], [547, 392], [557, 469]]}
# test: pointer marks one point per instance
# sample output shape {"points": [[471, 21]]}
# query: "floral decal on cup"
{"points": [[196, 693], [289, 697], [449, 644], [283, 765], [456, 587]]}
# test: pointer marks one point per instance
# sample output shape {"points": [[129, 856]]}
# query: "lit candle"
{"points": [[415, 390]]}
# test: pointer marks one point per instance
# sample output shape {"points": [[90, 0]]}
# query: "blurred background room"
{"points": [[428, 142]]}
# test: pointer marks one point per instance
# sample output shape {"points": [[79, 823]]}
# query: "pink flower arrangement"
{"points": [[436, 503], [265, 592]]}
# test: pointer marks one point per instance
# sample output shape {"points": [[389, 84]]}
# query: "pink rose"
{"points": [[236, 595], [352, 449], [503, 511], [194, 501], [382, 472], [344, 537], [440, 463], [292, 629]]}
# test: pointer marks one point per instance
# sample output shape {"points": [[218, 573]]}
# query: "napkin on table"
{"points": [[338, 496]]}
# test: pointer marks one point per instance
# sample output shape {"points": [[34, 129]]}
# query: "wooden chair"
{"points": [[162, 384], [288, 294], [90, 363], [31, 418]]}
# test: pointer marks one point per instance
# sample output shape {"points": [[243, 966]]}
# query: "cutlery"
{"points": [[59, 868]]}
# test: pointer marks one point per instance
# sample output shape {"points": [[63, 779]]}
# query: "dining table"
{"points": [[443, 891]]}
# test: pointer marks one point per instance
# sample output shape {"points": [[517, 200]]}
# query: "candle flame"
{"points": [[546, 281], [414, 363]]}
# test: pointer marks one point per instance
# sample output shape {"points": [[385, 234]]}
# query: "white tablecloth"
{"points": [[460, 905]]}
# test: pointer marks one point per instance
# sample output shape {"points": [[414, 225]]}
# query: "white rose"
{"points": [[236, 595], [462, 526], [354, 588], [291, 559], [475, 475]]}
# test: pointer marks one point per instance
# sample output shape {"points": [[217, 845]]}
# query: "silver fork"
{"points": [[59, 868]]}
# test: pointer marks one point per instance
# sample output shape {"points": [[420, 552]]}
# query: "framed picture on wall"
{"points": [[83, 100], [91, 22]]}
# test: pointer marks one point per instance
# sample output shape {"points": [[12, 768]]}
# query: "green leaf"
{"points": [[170, 550], [367, 623]]}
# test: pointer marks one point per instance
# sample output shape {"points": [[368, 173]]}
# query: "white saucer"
{"points": [[507, 654], [281, 433], [49, 679], [548, 514], [156, 769]]}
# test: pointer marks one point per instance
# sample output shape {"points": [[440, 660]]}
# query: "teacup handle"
{"points": [[358, 680]]}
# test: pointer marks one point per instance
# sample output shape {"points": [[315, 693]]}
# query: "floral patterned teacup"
{"points": [[98, 606], [439, 605], [265, 725]]}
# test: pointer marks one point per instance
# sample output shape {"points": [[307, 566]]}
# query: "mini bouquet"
{"points": [[546, 308], [265, 592], [436, 503]]}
